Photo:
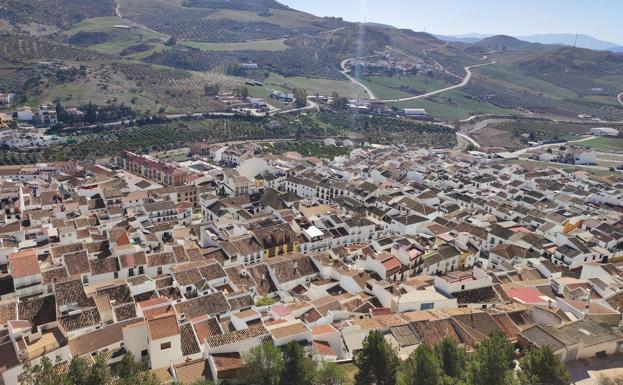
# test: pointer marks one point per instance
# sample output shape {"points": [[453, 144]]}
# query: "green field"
{"points": [[120, 39], [452, 105], [604, 144], [324, 87], [383, 91], [259, 45], [507, 76], [282, 17], [422, 83]]}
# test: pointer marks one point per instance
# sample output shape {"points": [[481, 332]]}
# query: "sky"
{"points": [[602, 19]]}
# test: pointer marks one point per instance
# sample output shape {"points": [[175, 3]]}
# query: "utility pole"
{"points": [[575, 43]]}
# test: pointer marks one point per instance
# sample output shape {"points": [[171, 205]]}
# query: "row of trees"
{"points": [[126, 372], [269, 365], [493, 363]]}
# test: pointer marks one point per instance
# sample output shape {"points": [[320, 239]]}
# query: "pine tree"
{"points": [[377, 362], [90, 114], [298, 369], [100, 374], [300, 97], [422, 367], [263, 365], [451, 357], [493, 362], [331, 374], [541, 366]]}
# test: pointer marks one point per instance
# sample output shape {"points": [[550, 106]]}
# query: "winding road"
{"points": [[620, 97], [463, 83], [371, 96], [117, 11], [355, 81]]}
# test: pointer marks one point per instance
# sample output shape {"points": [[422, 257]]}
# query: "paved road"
{"points": [[310, 106], [524, 150], [464, 138], [355, 81], [466, 79]]}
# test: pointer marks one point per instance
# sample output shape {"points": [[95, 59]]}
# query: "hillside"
{"points": [[162, 42], [505, 43]]}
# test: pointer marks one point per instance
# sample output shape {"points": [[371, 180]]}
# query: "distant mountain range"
{"points": [[583, 41]]}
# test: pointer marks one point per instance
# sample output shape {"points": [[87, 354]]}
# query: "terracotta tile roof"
{"points": [[237, 336], [77, 263], [99, 339], [117, 295], [211, 304], [323, 329], [172, 293], [86, 318], [323, 348], [261, 276], [207, 328], [125, 312], [193, 371], [54, 274], [24, 263], [189, 340], [8, 311], [58, 251], [212, 271], [162, 326], [160, 259], [133, 259], [227, 362], [38, 310], [104, 265], [288, 330], [72, 293]]}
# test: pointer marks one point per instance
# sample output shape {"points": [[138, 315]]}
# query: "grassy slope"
{"points": [[260, 45], [324, 87], [285, 18], [453, 105], [605, 144], [121, 38]]}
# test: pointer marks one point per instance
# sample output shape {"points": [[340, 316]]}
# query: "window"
{"points": [[164, 346], [427, 306]]}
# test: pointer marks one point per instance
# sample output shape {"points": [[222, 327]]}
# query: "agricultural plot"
{"points": [[605, 144], [323, 87], [453, 105], [105, 35], [57, 13], [152, 137], [21, 48], [259, 45]]}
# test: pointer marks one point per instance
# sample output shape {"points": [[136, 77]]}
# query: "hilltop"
{"points": [[158, 55]]}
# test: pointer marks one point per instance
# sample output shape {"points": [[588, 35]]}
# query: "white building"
{"points": [[604, 131]]}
